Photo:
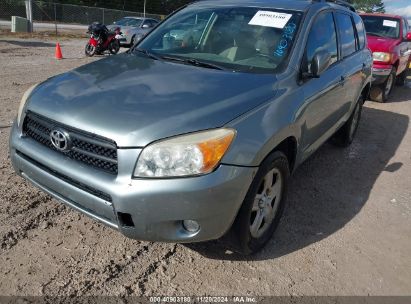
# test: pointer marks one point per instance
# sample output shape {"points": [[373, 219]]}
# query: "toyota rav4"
{"points": [[195, 131]]}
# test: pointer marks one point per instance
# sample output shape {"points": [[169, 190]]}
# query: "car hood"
{"points": [[135, 100], [379, 44]]}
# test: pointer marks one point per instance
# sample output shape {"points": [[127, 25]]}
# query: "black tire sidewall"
{"points": [[89, 53], [359, 105], [114, 46], [385, 95], [246, 243]]}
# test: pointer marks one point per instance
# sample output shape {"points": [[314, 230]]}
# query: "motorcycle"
{"points": [[101, 40]]}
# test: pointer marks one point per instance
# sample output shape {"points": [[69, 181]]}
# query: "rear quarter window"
{"points": [[359, 24]]}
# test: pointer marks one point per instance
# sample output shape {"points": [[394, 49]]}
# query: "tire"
{"points": [[382, 92], [90, 50], [251, 230], [114, 47], [345, 135], [402, 77]]}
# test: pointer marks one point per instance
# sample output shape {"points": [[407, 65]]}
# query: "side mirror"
{"points": [[145, 26], [321, 61], [408, 37]]}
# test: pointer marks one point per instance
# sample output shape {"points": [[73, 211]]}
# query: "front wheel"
{"points": [[114, 46], [402, 78], [90, 50], [263, 205], [382, 92]]}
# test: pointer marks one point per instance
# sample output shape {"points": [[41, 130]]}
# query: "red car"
{"points": [[389, 38]]}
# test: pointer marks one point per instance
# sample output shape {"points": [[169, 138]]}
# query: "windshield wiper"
{"points": [[147, 53], [194, 62]]}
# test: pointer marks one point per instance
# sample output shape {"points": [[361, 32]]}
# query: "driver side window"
{"points": [[322, 36]]}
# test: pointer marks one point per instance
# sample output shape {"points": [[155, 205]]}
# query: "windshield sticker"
{"points": [[288, 35], [270, 19], [390, 23]]}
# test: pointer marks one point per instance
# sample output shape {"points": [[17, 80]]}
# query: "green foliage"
{"points": [[369, 6]]}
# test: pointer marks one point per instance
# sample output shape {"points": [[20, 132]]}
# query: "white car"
{"points": [[133, 29]]}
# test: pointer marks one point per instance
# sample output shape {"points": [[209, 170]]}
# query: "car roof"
{"points": [[300, 5], [133, 17], [382, 15]]}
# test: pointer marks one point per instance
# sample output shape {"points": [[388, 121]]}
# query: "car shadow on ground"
{"points": [[329, 189], [24, 43]]}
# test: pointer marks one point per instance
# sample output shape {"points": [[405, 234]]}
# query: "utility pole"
{"points": [[144, 8], [29, 15]]}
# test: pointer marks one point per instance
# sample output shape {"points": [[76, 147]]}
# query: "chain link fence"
{"points": [[65, 13]]}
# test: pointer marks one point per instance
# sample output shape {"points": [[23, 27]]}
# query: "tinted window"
{"points": [[322, 37], [129, 22], [381, 26], [360, 30], [347, 37]]}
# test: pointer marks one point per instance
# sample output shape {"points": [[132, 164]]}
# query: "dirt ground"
{"points": [[346, 229]]}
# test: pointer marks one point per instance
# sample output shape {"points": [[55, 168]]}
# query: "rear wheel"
{"points": [[382, 92], [90, 50], [263, 205], [346, 134], [114, 46]]}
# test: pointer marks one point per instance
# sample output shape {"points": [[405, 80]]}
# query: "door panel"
{"points": [[323, 95]]}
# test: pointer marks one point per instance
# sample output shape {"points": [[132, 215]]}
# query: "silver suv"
{"points": [[196, 130]]}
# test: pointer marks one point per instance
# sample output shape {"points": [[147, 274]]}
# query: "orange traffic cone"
{"points": [[58, 53]]}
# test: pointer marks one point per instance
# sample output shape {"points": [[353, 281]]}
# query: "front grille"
{"points": [[90, 149], [69, 180]]}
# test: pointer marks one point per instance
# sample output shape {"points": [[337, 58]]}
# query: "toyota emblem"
{"points": [[60, 140]]}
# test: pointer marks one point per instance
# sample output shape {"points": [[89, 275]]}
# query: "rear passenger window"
{"points": [[360, 31], [322, 37], [346, 31]]}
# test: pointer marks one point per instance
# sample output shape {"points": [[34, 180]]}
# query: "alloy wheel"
{"points": [[266, 203]]}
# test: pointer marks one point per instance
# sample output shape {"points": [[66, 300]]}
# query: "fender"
{"points": [[93, 42]]}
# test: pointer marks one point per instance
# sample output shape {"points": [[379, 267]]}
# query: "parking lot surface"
{"points": [[346, 229]]}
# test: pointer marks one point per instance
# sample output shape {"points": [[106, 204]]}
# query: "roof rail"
{"points": [[339, 2]]}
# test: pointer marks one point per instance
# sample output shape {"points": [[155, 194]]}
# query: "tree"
{"points": [[369, 6]]}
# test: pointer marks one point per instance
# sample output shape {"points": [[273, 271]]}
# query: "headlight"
{"points": [[380, 56], [186, 155], [24, 101]]}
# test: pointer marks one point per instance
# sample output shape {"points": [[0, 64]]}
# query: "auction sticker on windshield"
{"points": [[390, 23], [270, 19]]}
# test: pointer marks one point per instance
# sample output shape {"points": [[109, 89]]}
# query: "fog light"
{"points": [[191, 226]]}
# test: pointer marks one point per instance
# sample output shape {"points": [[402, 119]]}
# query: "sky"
{"points": [[400, 7]]}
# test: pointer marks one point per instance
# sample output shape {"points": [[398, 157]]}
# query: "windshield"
{"points": [[240, 38], [381, 26], [129, 22]]}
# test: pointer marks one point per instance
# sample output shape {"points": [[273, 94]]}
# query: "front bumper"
{"points": [[380, 74], [156, 207]]}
